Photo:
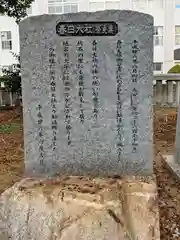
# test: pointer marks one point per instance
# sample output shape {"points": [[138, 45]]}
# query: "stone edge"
{"points": [[88, 13], [172, 165]]}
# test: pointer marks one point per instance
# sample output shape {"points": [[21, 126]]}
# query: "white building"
{"points": [[166, 21]]}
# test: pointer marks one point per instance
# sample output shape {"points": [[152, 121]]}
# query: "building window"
{"points": [[160, 3], [6, 41], [177, 35], [177, 2], [73, 8], [135, 3], [112, 5], [141, 4], [55, 9], [157, 66], [102, 5], [62, 6], [150, 3], [96, 6], [7, 68], [158, 36], [29, 11]]}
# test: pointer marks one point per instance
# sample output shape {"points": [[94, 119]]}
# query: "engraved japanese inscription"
{"points": [[40, 134], [134, 96], [95, 80], [80, 66], [90, 113], [67, 86], [52, 62], [87, 28], [119, 115]]}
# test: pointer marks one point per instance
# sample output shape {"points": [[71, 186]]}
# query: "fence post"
{"points": [[177, 92], [1, 101], [170, 92], [159, 91]]}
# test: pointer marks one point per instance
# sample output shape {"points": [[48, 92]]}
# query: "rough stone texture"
{"points": [[79, 209], [173, 166], [93, 148], [177, 148]]}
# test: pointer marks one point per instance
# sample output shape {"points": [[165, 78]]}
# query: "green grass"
{"points": [[6, 108], [9, 128]]}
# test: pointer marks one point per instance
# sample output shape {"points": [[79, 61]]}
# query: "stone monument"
{"points": [[87, 83], [87, 98]]}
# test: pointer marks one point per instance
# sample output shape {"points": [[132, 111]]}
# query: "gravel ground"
{"points": [[168, 186], [11, 164]]}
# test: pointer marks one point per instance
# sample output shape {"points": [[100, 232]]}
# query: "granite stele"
{"points": [[87, 83]]}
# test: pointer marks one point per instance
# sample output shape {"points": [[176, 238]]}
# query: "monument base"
{"points": [[172, 165], [79, 208]]}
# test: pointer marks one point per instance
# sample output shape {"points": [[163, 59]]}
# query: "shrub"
{"points": [[12, 79], [175, 69]]}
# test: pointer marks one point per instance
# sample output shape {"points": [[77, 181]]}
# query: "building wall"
{"points": [[165, 14], [6, 58]]}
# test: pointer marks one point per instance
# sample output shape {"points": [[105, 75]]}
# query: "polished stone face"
{"points": [[87, 93]]}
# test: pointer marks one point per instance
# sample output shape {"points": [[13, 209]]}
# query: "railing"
{"points": [[7, 98], [166, 89]]}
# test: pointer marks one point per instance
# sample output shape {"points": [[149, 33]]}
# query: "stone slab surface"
{"points": [[108, 131], [80, 208], [172, 165]]}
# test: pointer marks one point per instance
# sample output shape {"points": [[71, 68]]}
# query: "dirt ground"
{"points": [[11, 164]]}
